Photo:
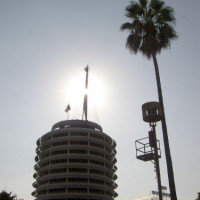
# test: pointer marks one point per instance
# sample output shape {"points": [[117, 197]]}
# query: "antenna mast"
{"points": [[85, 103]]}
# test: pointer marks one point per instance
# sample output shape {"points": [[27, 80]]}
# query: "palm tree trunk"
{"points": [[172, 186]]}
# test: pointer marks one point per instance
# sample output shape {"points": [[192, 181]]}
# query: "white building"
{"points": [[75, 161]]}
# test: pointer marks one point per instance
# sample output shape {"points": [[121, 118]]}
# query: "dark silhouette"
{"points": [[198, 197], [7, 196], [151, 30]]}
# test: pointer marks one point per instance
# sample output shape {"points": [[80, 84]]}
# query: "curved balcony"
{"points": [[34, 193], [58, 196], [114, 144], [35, 185], [114, 186], [114, 160], [36, 158], [75, 124], [36, 167], [35, 175], [114, 177], [115, 194]]}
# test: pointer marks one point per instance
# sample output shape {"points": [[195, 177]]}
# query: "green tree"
{"points": [[6, 196], [152, 29]]}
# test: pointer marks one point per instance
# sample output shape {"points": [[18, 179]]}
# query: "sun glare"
{"points": [[75, 90]]}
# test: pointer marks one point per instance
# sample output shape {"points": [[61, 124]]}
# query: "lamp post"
{"points": [[150, 150]]}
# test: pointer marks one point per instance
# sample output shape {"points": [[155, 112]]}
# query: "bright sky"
{"points": [[44, 47]]}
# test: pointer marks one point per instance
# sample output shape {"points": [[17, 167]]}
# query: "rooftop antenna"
{"points": [[85, 103]]}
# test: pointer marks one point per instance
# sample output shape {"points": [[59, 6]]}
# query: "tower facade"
{"points": [[75, 161]]}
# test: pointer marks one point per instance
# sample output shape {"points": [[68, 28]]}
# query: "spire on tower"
{"points": [[85, 101]]}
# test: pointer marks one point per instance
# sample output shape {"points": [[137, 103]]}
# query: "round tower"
{"points": [[75, 161]]}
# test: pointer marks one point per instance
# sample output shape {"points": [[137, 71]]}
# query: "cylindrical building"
{"points": [[75, 161]]}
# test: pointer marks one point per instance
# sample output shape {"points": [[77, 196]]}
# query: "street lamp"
{"points": [[148, 149]]}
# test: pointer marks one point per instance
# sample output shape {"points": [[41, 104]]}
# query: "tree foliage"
{"points": [[6, 196], [198, 196], [151, 27]]}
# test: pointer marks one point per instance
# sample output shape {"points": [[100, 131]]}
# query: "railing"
{"points": [[144, 151]]}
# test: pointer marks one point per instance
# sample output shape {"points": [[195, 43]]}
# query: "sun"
{"points": [[75, 90]]}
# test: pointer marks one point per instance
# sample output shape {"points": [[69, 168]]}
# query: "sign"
{"points": [[163, 194]]}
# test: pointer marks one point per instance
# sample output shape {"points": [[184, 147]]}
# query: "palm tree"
{"points": [[6, 196], [151, 30]]}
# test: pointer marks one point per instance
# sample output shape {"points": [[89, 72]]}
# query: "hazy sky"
{"points": [[44, 47]]}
